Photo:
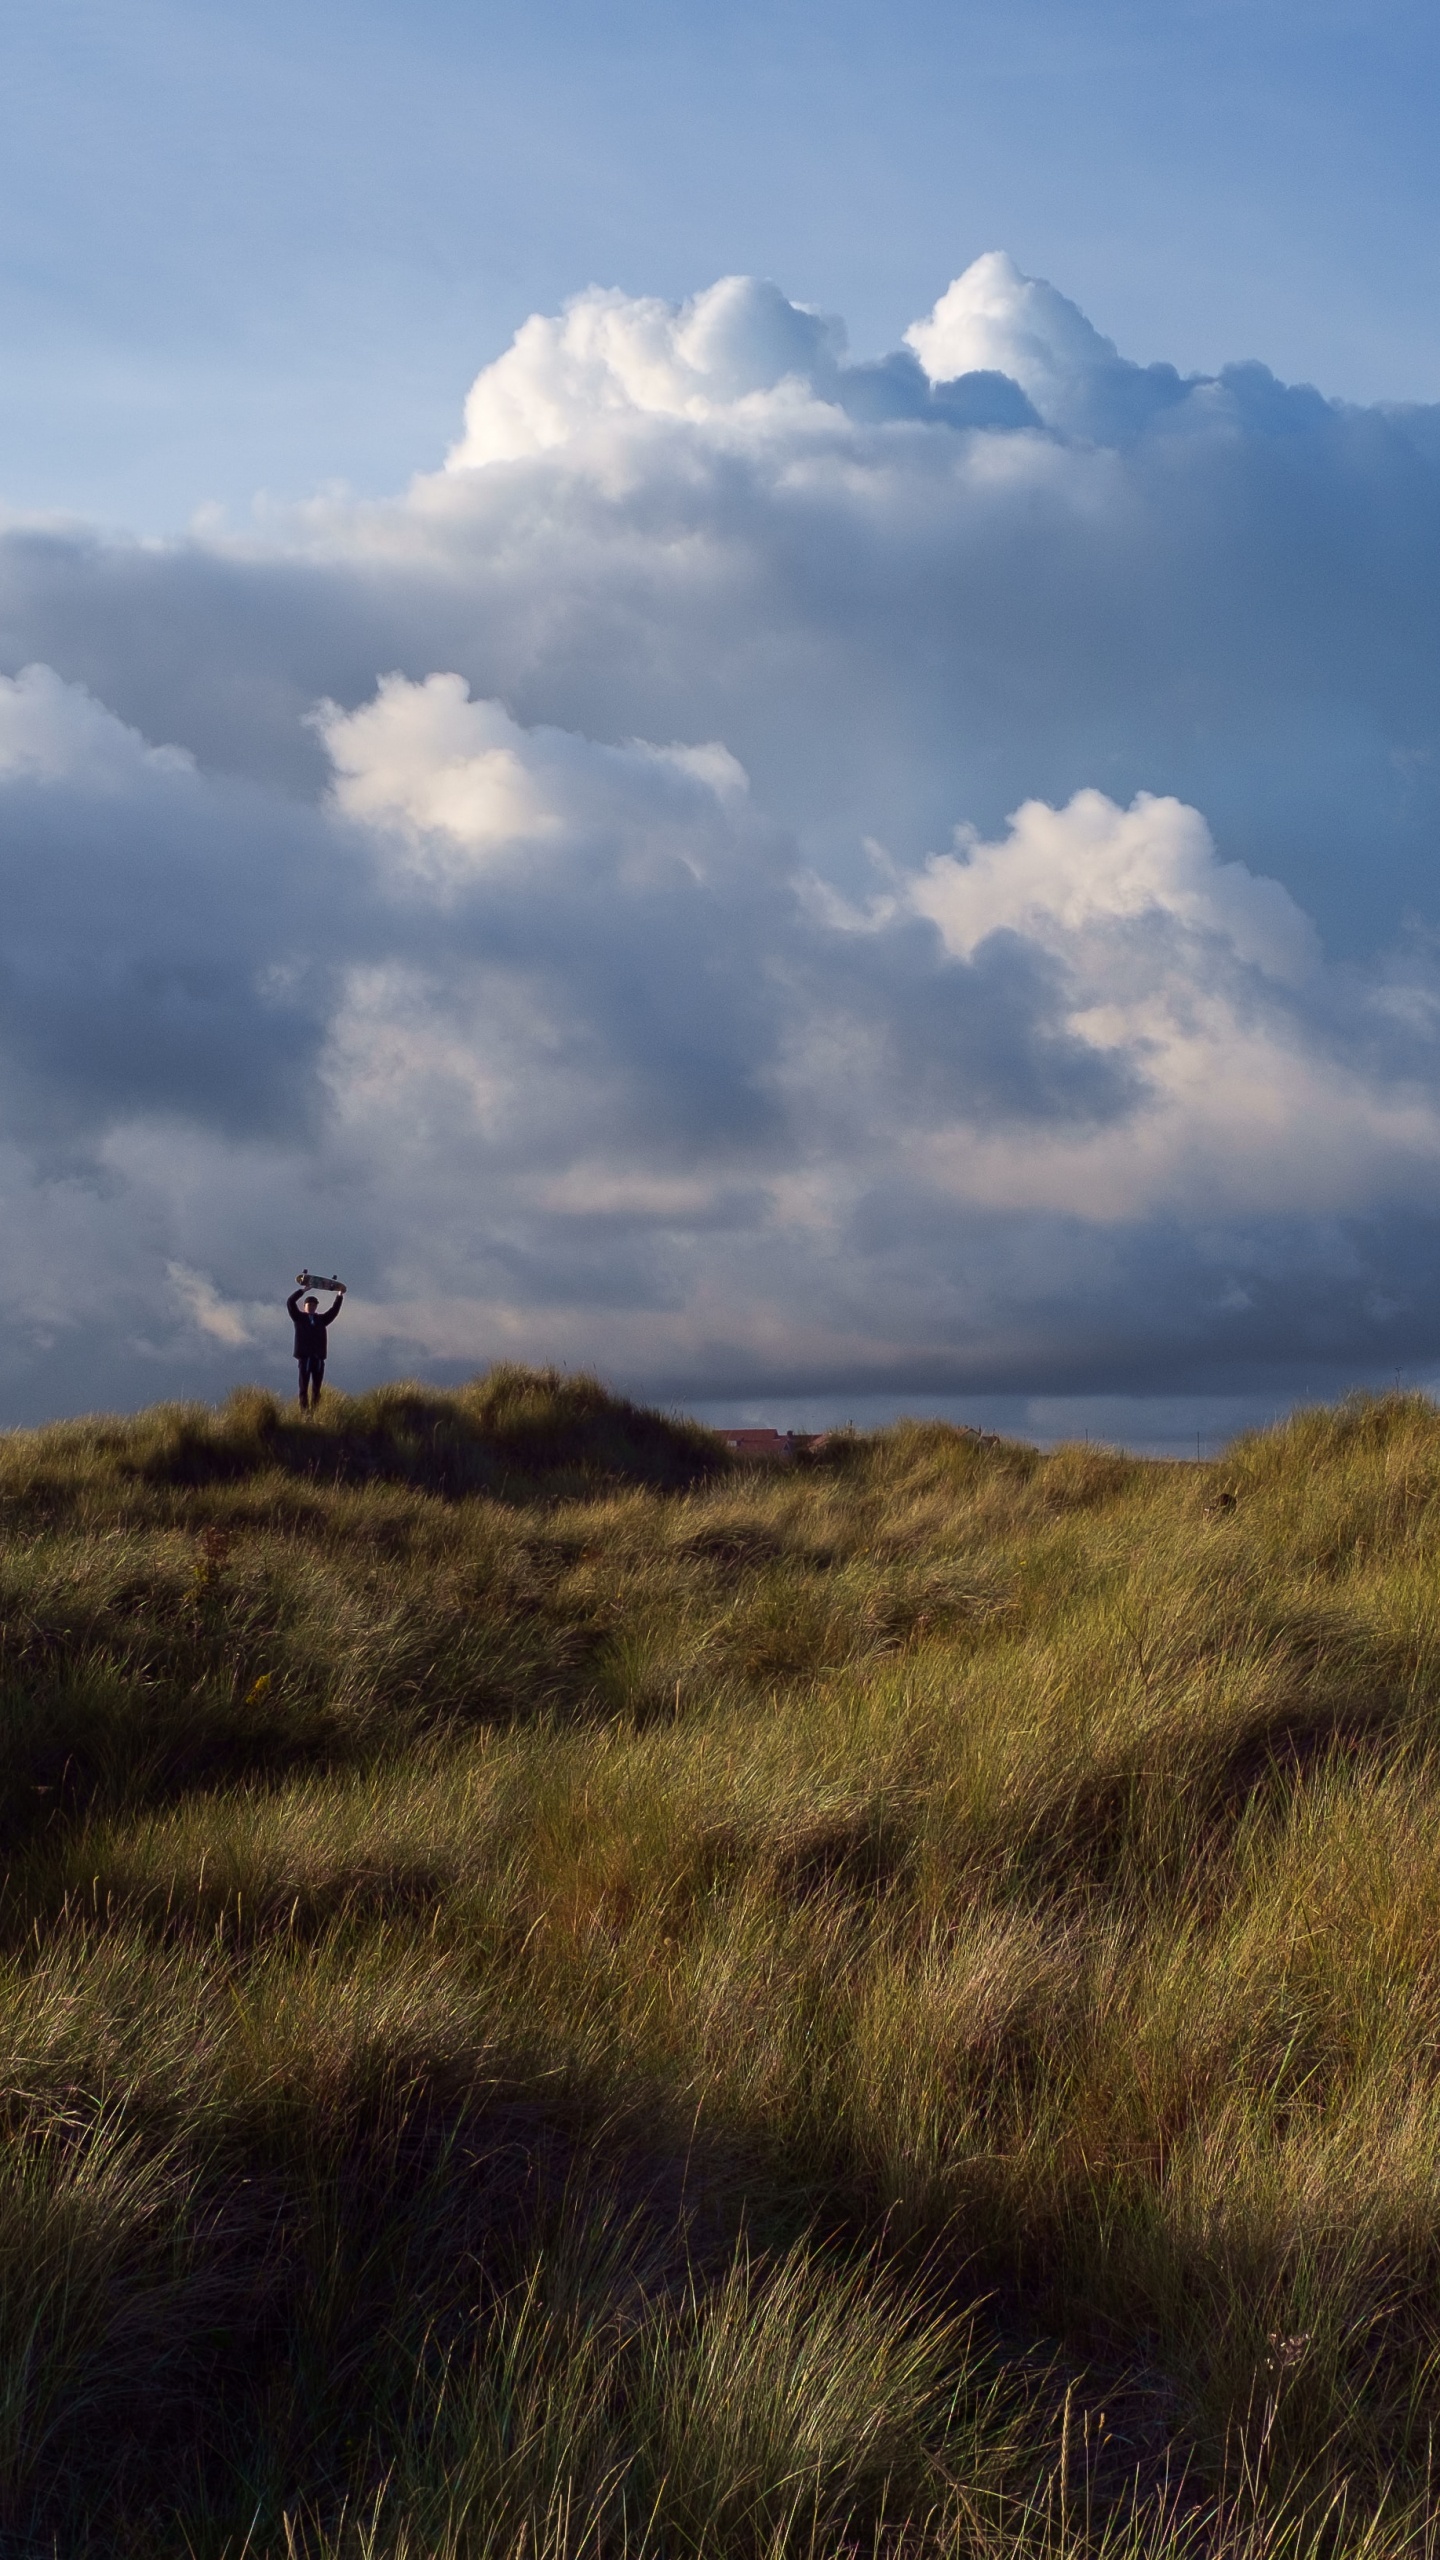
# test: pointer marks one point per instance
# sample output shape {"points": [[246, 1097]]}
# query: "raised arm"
{"points": [[335, 1310], [292, 1303]]}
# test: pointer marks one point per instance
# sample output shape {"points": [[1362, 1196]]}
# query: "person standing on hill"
{"points": [[311, 1332]]}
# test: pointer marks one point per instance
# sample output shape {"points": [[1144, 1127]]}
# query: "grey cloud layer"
{"points": [[358, 901]]}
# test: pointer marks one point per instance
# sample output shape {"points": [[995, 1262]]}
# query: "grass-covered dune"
{"points": [[561, 1996]]}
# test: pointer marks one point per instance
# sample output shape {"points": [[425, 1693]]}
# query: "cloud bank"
{"points": [[779, 875]]}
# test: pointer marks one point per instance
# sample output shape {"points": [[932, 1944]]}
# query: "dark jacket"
{"points": [[309, 1330]]}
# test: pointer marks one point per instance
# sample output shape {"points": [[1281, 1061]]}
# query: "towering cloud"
{"points": [[766, 871]]}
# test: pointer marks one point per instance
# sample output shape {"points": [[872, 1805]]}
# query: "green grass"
{"points": [[559, 1996]]}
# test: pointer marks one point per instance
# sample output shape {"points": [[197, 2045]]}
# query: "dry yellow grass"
{"points": [[557, 1995]]}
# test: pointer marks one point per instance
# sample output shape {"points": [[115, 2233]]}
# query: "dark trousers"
{"points": [[312, 1379]]}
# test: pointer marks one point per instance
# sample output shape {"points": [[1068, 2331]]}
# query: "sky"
{"points": [[265, 246], [746, 697]]}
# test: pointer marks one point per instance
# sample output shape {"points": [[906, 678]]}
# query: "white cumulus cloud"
{"points": [[1060, 874], [52, 732], [994, 320], [771, 868], [609, 355], [439, 769]]}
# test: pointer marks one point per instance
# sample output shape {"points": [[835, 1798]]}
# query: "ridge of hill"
{"points": [[562, 1996]]}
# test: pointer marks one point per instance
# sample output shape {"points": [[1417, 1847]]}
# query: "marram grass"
{"points": [[559, 1996]]}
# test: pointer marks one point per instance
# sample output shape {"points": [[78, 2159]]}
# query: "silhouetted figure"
{"points": [[311, 1332]]}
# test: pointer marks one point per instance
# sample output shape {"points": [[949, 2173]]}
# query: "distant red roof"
{"points": [[769, 1443]]}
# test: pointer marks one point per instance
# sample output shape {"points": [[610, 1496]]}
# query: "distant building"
{"points": [[780, 1447]]}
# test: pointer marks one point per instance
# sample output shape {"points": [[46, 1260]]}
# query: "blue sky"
{"points": [[753, 698], [265, 247]]}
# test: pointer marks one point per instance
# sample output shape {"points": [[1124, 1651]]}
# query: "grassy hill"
{"points": [[562, 1997]]}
